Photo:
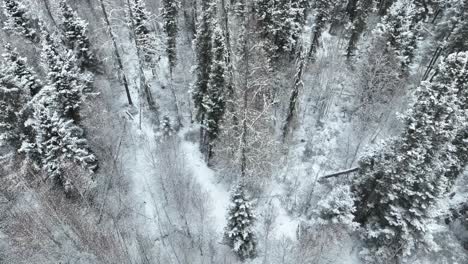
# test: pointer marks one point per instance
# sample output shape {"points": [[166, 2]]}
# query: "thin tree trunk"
{"points": [[116, 52], [298, 84], [143, 82], [49, 13], [245, 99]]}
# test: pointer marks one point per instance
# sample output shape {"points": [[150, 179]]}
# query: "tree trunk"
{"points": [[143, 82], [49, 13], [116, 52], [298, 84]]}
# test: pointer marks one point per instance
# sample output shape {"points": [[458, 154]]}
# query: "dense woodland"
{"points": [[234, 131]]}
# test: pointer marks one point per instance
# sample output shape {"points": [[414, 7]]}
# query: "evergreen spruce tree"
{"points": [[280, 23], [169, 14], [401, 26], [60, 141], [63, 75], [144, 37], [204, 56], [239, 233], [19, 83], [213, 101], [20, 21], [458, 39], [398, 183], [166, 127], [358, 15], [16, 66], [12, 100], [76, 36]]}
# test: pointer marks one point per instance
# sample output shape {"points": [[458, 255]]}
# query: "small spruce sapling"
{"points": [[239, 233]]}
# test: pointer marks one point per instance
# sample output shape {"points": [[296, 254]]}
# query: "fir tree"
{"points": [[204, 56], [76, 36], [169, 14], [401, 26], [12, 99], [144, 36], [458, 39], [239, 230], [398, 183], [59, 140], [63, 75], [213, 101], [166, 127], [24, 75], [280, 23], [20, 21], [358, 15], [18, 84]]}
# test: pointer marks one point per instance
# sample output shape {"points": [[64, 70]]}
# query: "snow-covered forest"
{"points": [[234, 131]]}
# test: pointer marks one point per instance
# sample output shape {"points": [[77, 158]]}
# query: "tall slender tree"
{"points": [[76, 36], [63, 75], [144, 37], [239, 233], [18, 84], [169, 14], [214, 101], [204, 55], [359, 13]]}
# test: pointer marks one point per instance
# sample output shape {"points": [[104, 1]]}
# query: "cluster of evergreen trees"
{"points": [[41, 119], [211, 73], [281, 23]]}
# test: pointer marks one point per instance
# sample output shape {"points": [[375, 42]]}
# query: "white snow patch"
{"points": [[206, 177]]}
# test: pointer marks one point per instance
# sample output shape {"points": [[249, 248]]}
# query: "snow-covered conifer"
{"points": [[63, 75], [239, 233], [458, 40], [402, 28], [398, 183], [169, 14], [18, 83], [12, 99], [280, 23], [19, 20], [166, 127], [144, 37], [338, 207], [17, 66], [213, 102], [59, 140], [359, 16], [75, 34], [204, 56]]}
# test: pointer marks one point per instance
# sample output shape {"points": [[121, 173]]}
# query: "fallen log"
{"points": [[336, 174]]}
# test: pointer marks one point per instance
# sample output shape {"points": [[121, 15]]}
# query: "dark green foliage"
{"points": [[398, 184], [18, 83], [280, 22], [144, 37], [239, 230], [60, 141], [19, 20], [204, 55], [214, 101], [358, 15], [169, 13], [76, 36], [63, 75]]}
